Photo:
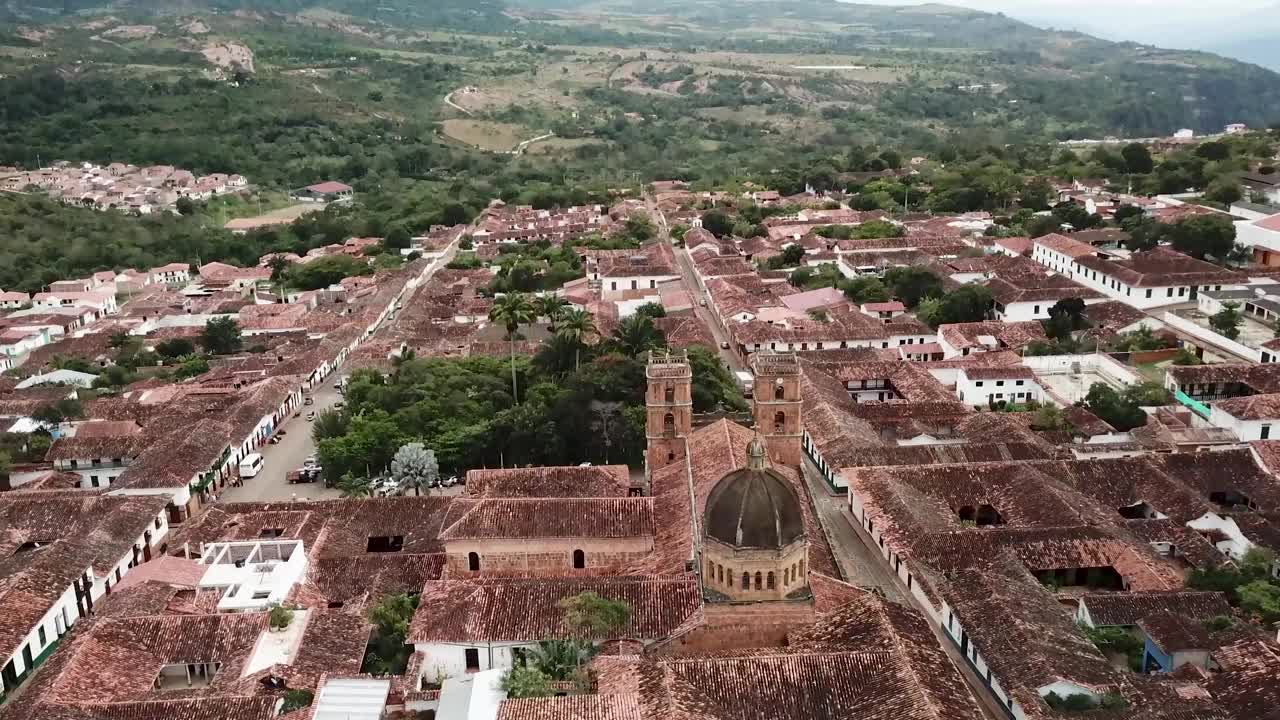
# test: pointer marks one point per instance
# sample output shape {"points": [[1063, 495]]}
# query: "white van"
{"points": [[251, 465], [746, 381]]}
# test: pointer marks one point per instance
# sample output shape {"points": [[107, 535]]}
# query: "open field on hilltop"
{"points": [[486, 135], [558, 146]]}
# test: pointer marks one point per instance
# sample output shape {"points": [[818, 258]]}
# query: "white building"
{"points": [[1149, 279], [982, 387], [254, 575]]}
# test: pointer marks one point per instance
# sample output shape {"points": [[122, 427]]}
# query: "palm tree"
{"points": [[575, 325], [354, 487], [512, 310], [552, 307], [414, 466], [637, 334]]}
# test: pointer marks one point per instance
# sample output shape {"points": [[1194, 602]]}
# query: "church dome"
{"points": [[754, 508]]}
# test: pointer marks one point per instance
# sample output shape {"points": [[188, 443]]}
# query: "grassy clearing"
{"points": [[486, 135]]}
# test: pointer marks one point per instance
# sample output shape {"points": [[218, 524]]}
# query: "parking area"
{"points": [[294, 447]]}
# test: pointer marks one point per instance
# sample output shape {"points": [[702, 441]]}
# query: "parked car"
{"points": [[309, 462], [384, 486], [309, 401], [338, 405], [311, 416], [449, 481], [275, 440]]}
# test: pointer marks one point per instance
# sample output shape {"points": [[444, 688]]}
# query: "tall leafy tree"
{"points": [[636, 335], [221, 336], [511, 311], [552, 307], [576, 325]]}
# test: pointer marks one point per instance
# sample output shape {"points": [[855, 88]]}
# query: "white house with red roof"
{"points": [[1144, 280], [330, 191], [1263, 237], [981, 387]]}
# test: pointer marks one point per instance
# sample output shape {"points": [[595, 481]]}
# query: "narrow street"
{"points": [[863, 566], [689, 278], [296, 445]]}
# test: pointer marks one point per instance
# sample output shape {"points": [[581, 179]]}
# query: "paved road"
{"points": [[297, 444], [862, 565], [689, 278], [294, 447]]}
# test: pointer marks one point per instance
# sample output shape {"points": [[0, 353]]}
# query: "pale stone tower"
{"points": [[777, 405], [669, 406]]}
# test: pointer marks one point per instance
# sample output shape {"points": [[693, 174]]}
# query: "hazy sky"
{"points": [[1149, 21]]}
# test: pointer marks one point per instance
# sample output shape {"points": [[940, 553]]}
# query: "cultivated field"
{"points": [[486, 135]]}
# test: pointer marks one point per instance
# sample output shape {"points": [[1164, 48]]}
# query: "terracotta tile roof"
{"points": [[1248, 687], [133, 651], [357, 580], [550, 482], [1251, 407], [328, 528], [1005, 373], [1064, 245], [551, 518], [1113, 315], [1161, 267], [219, 708], [572, 707], [471, 611], [1012, 335], [1129, 608]]}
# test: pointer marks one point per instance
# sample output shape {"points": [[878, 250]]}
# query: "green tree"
{"points": [[636, 335], [1225, 191], [1262, 598], [912, 284], [552, 307], [717, 223], [1050, 418], [511, 311], [1226, 322], [175, 348], [221, 336], [352, 486], [398, 237], [865, 290], [1037, 195], [575, 326], [791, 256], [877, 229], [279, 617], [1213, 150], [1137, 159], [296, 699], [185, 206], [1203, 236], [526, 681], [1121, 413], [970, 303], [387, 653], [327, 271], [59, 411], [192, 367], [639, 228], [279, 265], [652, 310], [713, 385], [119, 339], [557, 659]]}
